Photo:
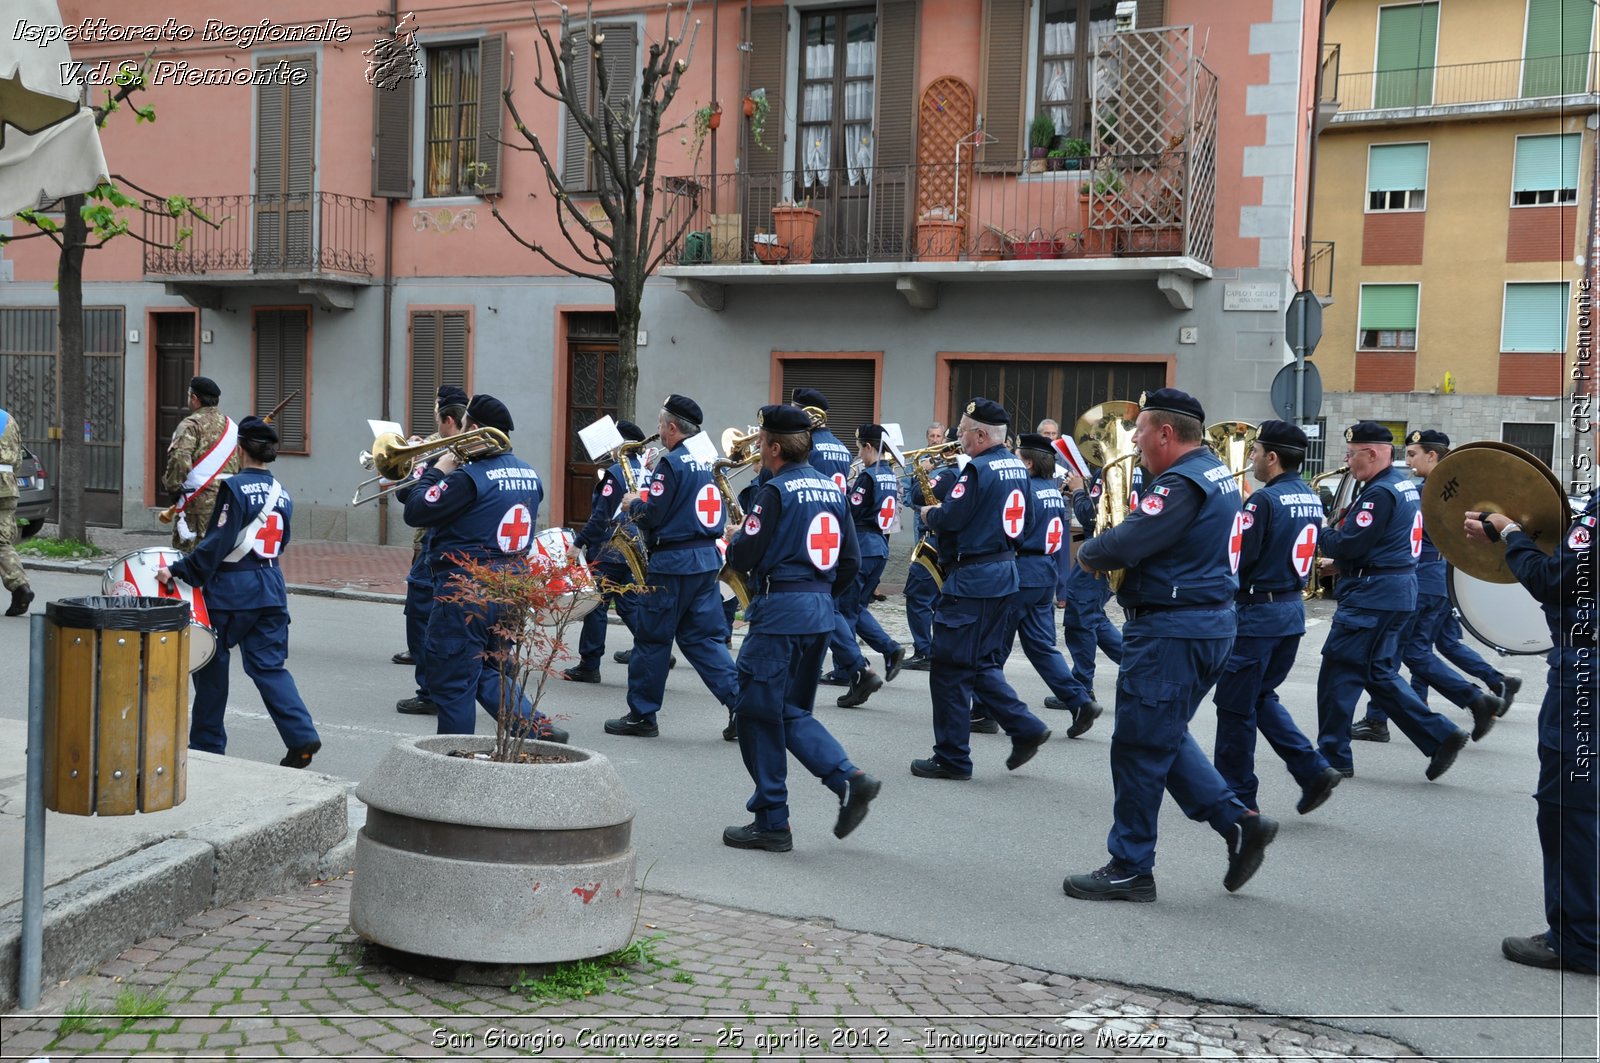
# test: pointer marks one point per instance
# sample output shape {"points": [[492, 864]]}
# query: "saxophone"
{"points": [[925, 554], [623, 540]]}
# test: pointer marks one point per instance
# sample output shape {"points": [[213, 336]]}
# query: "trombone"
{"points": [[395, 461]]}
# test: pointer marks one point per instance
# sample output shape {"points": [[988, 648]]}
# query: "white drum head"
{"points": [[202, 646], [1502, 615], [559, 547]]}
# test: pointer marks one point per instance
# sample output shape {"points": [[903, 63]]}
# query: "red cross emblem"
{"points": [[838, 481], [708, 506], [1016, 511], [1578, 538], [886, 514], [1052, 535], [1416, 534], [1305, 548], [515, 528], [269, 540], [822, 541], [1235, 542]]}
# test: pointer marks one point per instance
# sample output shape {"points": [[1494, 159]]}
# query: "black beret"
{"points": [[783, 420], [254, 430], [1429, 437], [1281, 435], [206, 388], [1368, 432], [952, 434], [987, 411], [1171, 400], [809, 397], [1034, 441], [870, 433], [450, 395], [490, 412], [630, 431], [685, 407]]}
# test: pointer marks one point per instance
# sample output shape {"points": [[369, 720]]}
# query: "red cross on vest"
{"points": [[822, 541], [1016, 511], [838, 481], [1305, 548], [1416, 534], [1052, 535], [515, 527], [886, 514], [1235, 542], [269, 540], [708, 506]]}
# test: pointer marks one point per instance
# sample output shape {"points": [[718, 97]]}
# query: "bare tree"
{"points": [[623, 137]]}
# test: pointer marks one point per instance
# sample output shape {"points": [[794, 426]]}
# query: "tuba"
{"points": [[1105, 435], [394, 460], [741, 452], [1232, 440]]}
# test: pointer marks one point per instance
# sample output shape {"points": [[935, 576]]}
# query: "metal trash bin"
{"points": [[116, 705]]}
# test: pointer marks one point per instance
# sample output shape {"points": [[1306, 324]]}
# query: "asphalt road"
{"points": [[1382, 911]]}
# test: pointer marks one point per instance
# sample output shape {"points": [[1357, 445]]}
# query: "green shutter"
{"points": [[1535, 318], [1547, 162], [1397, 167], [1557, 49], [1388, 306], [1408, 37]]}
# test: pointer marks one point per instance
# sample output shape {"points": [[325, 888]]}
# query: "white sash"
{"points": [[210, 464], [247, 534]]}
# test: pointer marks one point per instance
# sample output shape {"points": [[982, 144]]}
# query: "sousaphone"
{"points": [[1496, 478]]}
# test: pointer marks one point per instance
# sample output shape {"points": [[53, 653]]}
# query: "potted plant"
{"points": [[1076, 150], [500, 849], [940, 235], [1041, 133], [1157, 229], [756, 106], [1100, 213], [1056, 160], [796, 227], [1036, 244], [706, 119]]}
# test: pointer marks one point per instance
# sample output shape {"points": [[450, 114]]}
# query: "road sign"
{"points": [[1303, 322], [1283, 393]]}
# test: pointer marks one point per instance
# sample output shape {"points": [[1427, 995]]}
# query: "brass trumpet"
{"points": [[394, 460], [819, 416]]}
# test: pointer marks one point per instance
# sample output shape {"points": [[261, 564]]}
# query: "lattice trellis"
{"points": [[945, 115]]}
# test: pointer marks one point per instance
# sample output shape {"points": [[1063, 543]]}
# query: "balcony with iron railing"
{"points": [[316, 242], [1468, 90]]}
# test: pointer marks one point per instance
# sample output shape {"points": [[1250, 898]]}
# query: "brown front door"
{"points": [[593, 368], [174, 367]]}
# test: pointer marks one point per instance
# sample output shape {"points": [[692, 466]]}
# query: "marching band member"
{"points": [[1084, 623], [921, 591], [873, 506], [605, 516], [204, 450]]}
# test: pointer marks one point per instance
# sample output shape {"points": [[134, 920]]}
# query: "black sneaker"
{"points": [[863, 686], [300, 756], [982, 725], [1247, 847], [750, 837], [403, 657], [934, 768], [730, 733], [836, 678], [1346, 773], [893, 661], [416, 707], [859, 790], [1053, 702], [549, 732], [1084, 718], [622, 656], [581, 674], [917, 662], [633, 726], [1535, 951], [1445, 755], [1318, 790], [1111, 883], [1369, 731], [1509, 686], [1023, 749], [1485, 709]]}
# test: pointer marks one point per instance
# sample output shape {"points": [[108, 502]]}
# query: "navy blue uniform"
{"points": [[921, 591], [797, 545], [484, 511], [1084, 624], [874, 505], [1045, 537], [1280, 524], [978, 524], [681, 516], [249, 609], [419, 592], [1568, 795], [1180, 549], [831, 458], [595, 538], [1376, 548]]}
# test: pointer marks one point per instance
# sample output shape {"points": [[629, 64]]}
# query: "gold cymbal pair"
{"points": [[1495, 478]]}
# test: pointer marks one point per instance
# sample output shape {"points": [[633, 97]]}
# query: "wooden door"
{"points": [[175, 366], [594, 367]]}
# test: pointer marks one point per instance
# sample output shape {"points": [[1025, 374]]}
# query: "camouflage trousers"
{"points": [[197, 515], [11, 573]]}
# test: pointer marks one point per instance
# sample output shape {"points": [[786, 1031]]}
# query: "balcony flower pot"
{"points": [[1036, 245], [768, 250], [1153, 240], [940, 239], [796, 229], [1100, 221]]}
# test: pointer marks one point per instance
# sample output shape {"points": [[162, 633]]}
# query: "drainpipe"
{"points": [[1311, 192], [716, 12], [386, 334]]}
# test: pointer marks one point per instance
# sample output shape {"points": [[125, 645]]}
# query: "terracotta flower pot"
{"points": [[749, 107], [940, 239], [796, 228]]}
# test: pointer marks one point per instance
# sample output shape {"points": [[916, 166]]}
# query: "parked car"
{"points": [[36, 498]]}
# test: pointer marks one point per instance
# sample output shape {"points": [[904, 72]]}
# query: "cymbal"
{"points": [[1116, 417], [1497, 478]]}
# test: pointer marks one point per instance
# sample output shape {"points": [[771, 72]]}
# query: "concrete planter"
{"points": [[494, 863]]}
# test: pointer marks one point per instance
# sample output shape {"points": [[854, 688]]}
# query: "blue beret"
{"points": [[630, 431], [1281, 435], [987, 411], [682, 406], [490, 412], [1368, 432], [206, 388], [254, 430], [450, 395], [1171, 400], [1033, 441], [870, 433], [783, 420], [1429, 437], [809, 397]]}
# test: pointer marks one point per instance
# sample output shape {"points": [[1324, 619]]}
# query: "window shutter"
{"points": [[424, 370], [1003, 66], [1543, 163], [620, 54], [894, 130], [1388, 306], [848, 383], [491, 106], [1535, 318], [453, 349], [300, 146], [281, 349], [270, 118], [1150, 14], [1557, 47], [574, 145], [391, 140], [1407, 40], [769, 32], [1397, 167]]}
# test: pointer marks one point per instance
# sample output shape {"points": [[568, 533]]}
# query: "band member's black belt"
{"points": [[244, 564], [809, 586], [983, 559], [680, 544], [1387, 570], [1033, 553], [1258, 597], [1133, 612]]}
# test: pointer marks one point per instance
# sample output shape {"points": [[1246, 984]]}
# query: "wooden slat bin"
{"points": [[116, 705]]}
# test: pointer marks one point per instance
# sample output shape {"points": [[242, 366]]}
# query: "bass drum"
{"points": [[559, 546], [1501, 615], [133, 575]]}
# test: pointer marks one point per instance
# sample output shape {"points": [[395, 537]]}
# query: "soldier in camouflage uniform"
{"points": [[11, 574], [195, 436]]}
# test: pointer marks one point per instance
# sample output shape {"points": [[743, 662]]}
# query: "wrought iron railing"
{"points": [[1320, 280], [319, 233], [1468, 83]]}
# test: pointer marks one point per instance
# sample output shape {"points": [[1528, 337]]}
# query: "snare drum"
{"points": [[560, 546], [134, 575], [1503, 616]]}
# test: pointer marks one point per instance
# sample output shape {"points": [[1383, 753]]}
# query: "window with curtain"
{"points": [[838, 72], [1534, 319], [1397, 177], [1070, 36], [1556, 47], [451, 120], [1546, 170], [1408, 38], [1388, 317]]}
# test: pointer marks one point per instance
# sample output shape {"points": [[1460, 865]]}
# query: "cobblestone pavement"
{"points": [[285, 977]]}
